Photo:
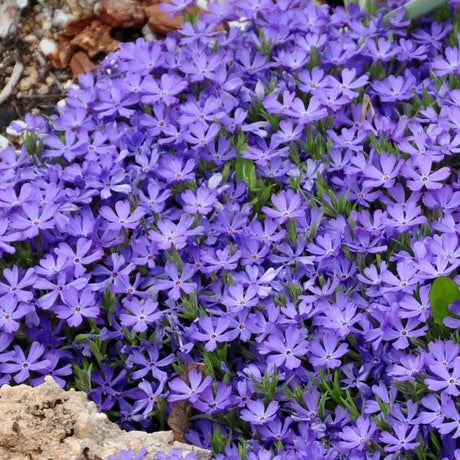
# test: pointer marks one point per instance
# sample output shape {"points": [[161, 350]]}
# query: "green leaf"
{"points": [[443, 292], [415, 9], [245, 170]]}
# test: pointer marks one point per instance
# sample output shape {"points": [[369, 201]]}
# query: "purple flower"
{"points": [[445, 380], [401, 333], [326, 351], [425, 178], [177, 283], [450, 321], [201, 201], [173, 169], [140, 314], [451, 413], [76, 306], [151, 364], [214, 400], [147, 399], [200, 135], [33, 219], [214, 332], [448, 64], [80, 257], [393, 89], [165, 89], [257, 414], [123, 218], [129, 454], [288, 206], [403, 438], [385, 174], [285, 349], [171, 234], [11, 313], [358, 436], [16, 362], [191, 391], [17, 284]]}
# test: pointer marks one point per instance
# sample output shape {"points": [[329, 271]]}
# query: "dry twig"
{"points": [[14, 78]]}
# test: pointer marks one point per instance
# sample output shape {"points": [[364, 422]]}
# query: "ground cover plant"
{"points": [[260, 222]]}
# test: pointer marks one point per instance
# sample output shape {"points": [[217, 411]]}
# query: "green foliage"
{"points": [[443, 292], [415, 9], [269, 385], [83, 376], [218, 441], [334, 392], [34, 144], [245, 170]]}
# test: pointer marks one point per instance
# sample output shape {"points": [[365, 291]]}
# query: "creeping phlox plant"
{"points": [[250, 219]]}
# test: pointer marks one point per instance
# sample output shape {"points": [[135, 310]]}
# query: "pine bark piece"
{"points": [[81, 63], [159, 21], [77, 25], [95, 39], [60, 58], [178, 419], [122, 13]]}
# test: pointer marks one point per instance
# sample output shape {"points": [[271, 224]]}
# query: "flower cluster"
{"points": [[249, 219]]}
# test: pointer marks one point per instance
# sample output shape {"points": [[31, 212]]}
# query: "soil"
{"points": [[40, 86]]}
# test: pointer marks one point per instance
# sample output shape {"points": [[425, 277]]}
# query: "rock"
{"points": [[49, 423], [81, 63], [42, 89], [47, 46], [61, 19], [9, 17], [147, 33], [26, 83], [30, 38], [95, 39], [122, 13], [3, 143]]}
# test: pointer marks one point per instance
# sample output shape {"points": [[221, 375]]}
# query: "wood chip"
{"points": [[81, 63], [95, 39], [122, 13], [179, 418], [60, 58]]}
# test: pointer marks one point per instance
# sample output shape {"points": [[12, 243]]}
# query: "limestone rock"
{"points": [[9, 17], [49, 423]]}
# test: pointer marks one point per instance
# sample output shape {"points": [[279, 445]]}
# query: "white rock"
{"points": [[61, 19], [22, 3], [241, 24], [47, 46], [9, 17], [147, 33], [13, 132], [3, 143]]}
